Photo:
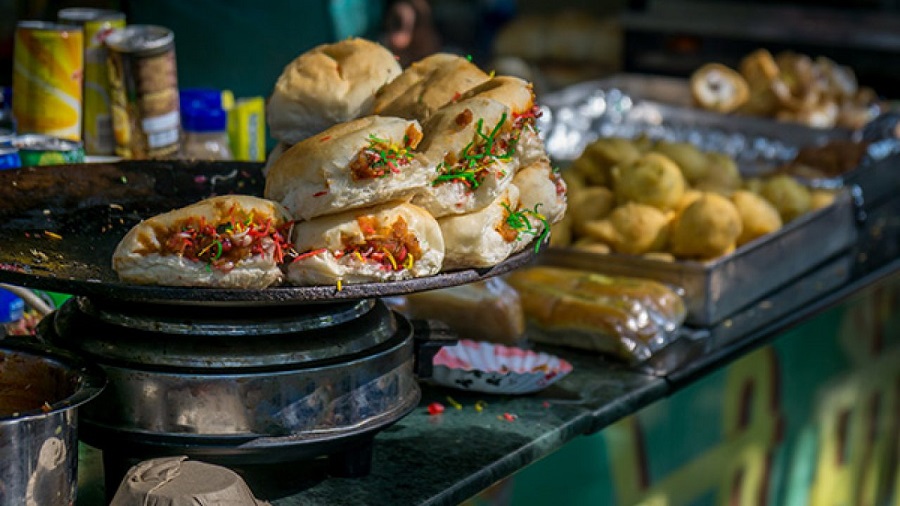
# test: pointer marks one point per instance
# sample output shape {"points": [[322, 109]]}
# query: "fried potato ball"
{"points": [[689, 158], [821, 197], [653, 179], [592, 246], [753, 184], [690, 195], [791, 198], [722, 175], [706, 229], [758, 216], [631, 228], [589, 204], [601, 155]]}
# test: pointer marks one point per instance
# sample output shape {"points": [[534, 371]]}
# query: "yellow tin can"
{"points": [[97, 120], [48, 66]]}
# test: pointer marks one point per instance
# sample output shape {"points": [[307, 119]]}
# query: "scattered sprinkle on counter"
{"points": [[452, 402], [509, 417], [435, 408], [52, 235], [480, 405]]}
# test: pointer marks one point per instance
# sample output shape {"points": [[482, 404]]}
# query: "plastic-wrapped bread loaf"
{"points": [[488, 310], [630, 318]]}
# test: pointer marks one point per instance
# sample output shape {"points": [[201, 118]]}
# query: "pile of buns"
{"points": [[789, 86], [380, 174], [670, 200]]}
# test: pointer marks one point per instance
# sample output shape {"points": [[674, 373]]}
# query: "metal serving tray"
{"points": [[715, 290]]}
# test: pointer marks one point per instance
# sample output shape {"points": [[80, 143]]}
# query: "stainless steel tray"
{"points": [[715, 290]]}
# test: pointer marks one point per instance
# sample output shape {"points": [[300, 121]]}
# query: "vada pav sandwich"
{"points": [[389, 242], [472, 147], [230, 241], [518, 95], [487, 237], [354, 164]]}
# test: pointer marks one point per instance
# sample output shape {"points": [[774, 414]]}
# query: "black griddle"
{"points": [[59, 226]]}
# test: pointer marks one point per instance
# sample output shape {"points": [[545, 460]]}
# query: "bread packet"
{"points": [[488, 310], [629, 318]]}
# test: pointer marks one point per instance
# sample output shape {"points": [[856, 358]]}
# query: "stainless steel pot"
{"points": [[40, 390]]}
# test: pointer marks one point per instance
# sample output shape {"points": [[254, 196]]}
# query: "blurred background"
{"points": [[242, 45]]}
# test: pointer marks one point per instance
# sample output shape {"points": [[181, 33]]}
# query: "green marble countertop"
{"points": [[445, 459]]}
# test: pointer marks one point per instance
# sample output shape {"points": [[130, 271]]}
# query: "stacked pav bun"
{"points": [[387, 174], [423, 181]]}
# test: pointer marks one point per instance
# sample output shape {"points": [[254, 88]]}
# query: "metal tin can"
{"points": [[48, 64], [9, 158], [38, 150], [97, 121], [144, 88]]}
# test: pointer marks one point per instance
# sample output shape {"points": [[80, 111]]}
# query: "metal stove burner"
{"points": [[281, 384]]}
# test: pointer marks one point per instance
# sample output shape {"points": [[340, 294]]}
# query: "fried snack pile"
{"points": [[670, 200], [789, 87]]}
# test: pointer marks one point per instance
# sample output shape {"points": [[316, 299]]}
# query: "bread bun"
{"points": [[427, 85], [207, 244], [389, 242], [518, 95], [542, 189], [455, 138], [488, 310], [486, 237], [326, 85], [359, 163]]}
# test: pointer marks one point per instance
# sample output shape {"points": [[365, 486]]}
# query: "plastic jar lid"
{"points": [[203, 119]]}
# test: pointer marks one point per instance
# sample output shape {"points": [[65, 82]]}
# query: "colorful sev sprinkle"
{"points": [[319, 194], [509, 417], [52, 235], [518, 221], [452, 402], [340, 284], [435, 408], [480, 405], [546, 404], [472, 165], [46, 408]]}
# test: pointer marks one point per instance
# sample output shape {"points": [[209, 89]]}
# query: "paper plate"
{"points": [[495, 369]]}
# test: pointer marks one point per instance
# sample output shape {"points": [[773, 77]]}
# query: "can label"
{"points": [[40, 150], [144, 91], [9, 158], [98, 133], [48, 66]]}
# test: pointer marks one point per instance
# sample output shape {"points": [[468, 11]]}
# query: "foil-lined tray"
{"points": [[630, 105], [576, 116]]}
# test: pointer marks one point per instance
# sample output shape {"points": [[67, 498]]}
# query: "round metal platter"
{"points": [[59, 226]]}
